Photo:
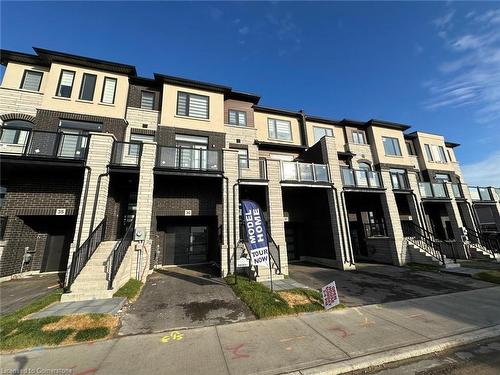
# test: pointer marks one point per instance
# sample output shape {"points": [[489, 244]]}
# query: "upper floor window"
{"points": [[279, 129], [321, 132], [138, 138], [442, 177], [3, 193], [147, 99], [410, 147], [441, 154], [237, 117], [82, 126], [449, 155], [88, 87], [391, 146], [15, 132], [31, 80], [358, 137], [243, 157], [192, 105], [65, 83], [108, 90], [364, 166], [428, 152]]}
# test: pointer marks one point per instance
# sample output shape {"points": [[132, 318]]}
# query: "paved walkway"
{"points": [[14, 294], [316, 341], [98, 306]]}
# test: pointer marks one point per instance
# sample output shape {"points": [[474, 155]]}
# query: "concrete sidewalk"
{"points": [[330, 342]]}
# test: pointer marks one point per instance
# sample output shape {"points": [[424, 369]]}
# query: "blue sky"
{"points": [[435, 66]]}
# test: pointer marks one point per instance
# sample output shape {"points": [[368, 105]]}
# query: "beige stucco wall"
{"points": [[438, 140], [262, 129], [13, 75], [338, 133], [169, 116], [375, 137], [73, 104]]}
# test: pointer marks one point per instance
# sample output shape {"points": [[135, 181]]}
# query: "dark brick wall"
{"points": [[121, 188], [49, 120], [173, 195], [135, 93], [430, 175], [35, 192], [165, 136]]}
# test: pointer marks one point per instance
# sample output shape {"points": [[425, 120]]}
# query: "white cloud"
{"points": [[445, 20], [244, 30], [483, 173]]}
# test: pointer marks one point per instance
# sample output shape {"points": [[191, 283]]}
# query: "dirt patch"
{"points": [[79, 322], [296, 299]]}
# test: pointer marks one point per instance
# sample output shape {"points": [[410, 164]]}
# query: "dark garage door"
{"points": [[187, 244]]}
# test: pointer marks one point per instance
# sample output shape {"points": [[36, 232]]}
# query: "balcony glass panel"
{"points": [[425, 189], [374, 179], [484, 193], [306, 172], [498, 192], [457, 193], [126, 154], [348, 177], [321, 172], [290, 171], [188, 158], [361, 178], [474, 193], [439, 190]]}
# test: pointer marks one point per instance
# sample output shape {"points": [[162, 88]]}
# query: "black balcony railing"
{"points": [[432, 190], [304, 172], [479, 193], [361, 178], [252, 168], [189, 159], [488, 242], [119, 253], [43, 144], [126, 154]]}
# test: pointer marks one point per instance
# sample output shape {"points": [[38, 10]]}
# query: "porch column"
{"points": [[415, 202], [456, 225], [94, 194], [230, 215], [144, 211], [276, 215], [393, 223], [339, 221]]}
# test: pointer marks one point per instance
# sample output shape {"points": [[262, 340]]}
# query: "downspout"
{"points": [[84, 205], [236, 226], [418, 209], [340, 221], [303, 130], [474, 216], [342, 195], [96, 199], [228, 236]]}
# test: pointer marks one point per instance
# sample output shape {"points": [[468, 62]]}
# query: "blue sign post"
{"points": [[256, 231]]}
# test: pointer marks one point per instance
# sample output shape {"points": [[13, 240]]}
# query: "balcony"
{"points": [[189, 159], [457, 191], [252, 169], [432, 190], [361, 178], [126, 154], [43, 144], [399, 181], [480, 194], [304, 172]]}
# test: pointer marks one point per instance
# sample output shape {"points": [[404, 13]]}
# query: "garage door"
{"points": [[188, 244]]}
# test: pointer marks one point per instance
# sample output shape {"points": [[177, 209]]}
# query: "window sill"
{"points": [[61, 98], [239, 126], [394, 156], [84, 101], [281, 140], [30, 91], [192, 118], [106, 104]]}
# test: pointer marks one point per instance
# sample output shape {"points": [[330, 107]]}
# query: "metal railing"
{"points": [[479, 193], [273, 247], [192, 159], [457, 190], [432, 190], [399, 181], [426, 241], [361, 178], [82, 255], [119, 253], [489, 243], [304, 172], [43, 144], [252, 168], [126, 154]]}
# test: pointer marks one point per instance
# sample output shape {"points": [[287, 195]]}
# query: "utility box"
{"points": [[139, 234]]}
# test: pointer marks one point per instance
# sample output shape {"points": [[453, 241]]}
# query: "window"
{"points": [[31, 80], [192, 105], [3, 192], [88, 87], [138, 138], [449, 155], [65, 84], [3, 225], [428, 152], [237, 117], [279, 129], [442, 155], [391, 146], [147, 99], [243, 157], [442, 177], [364, 166], [321, 132], [193, 151], [15, 132], [398, 179], [410, 147], [358, 137], [85, 126], [108, 90]]}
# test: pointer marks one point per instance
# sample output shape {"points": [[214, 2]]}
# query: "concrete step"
{"points": [[86, 287], [85, 296], [477, 252]]}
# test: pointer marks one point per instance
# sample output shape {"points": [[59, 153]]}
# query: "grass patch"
{"points": [[490, 276], [91, 334], [266, 304], [130, 290], [16, 332], [423, 267]]}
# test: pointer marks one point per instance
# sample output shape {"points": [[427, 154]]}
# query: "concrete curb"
{"points": [[403, 353]]}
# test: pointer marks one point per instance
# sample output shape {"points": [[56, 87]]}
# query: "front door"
{"points": [[291, 241], [187, 244], [56, 253]]}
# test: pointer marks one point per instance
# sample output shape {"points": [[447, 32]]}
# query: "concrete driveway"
{"points": [[377, 283], [15, 294], [183, 297]]}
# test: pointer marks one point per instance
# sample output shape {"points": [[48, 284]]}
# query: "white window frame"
{"points": [[272, 126], [237, 114], [394, 142], [25, 75], [358, 135], [59, 84], [104, 85], [153, 101], [324, 130]]}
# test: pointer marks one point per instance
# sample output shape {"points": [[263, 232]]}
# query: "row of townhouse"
{"points": [[105, 175]]}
